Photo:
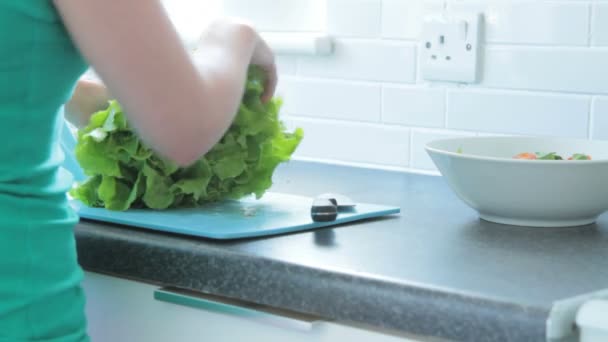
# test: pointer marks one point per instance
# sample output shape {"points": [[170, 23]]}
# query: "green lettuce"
{"points": [[125, 173]]}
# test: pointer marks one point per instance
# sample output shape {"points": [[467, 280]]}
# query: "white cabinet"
{"points": [[122, 310]]}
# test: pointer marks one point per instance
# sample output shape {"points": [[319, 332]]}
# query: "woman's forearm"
{"points": [[178, 110]]}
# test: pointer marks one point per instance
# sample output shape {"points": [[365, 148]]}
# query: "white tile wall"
{"points": [[531, 22], [286, 65], [280, 15], [353, 142], [599, 29], [579, 70], [331, 99], [413, 106], [365, 60], [354, 18], [402, 19], [600, 118], [518, 113], [544, 72]]}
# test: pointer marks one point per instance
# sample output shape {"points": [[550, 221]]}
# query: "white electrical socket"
{"points": [[449, 47]]}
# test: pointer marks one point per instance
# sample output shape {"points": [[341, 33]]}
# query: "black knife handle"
{"points": [[324, 210]]}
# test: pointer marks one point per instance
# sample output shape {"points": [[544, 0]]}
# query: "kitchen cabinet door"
{"points": [[122, 310]]}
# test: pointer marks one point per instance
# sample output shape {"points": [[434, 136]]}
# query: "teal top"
{"points": [[40, 297], [39, 66]]}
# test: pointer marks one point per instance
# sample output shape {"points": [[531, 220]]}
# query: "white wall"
{"points": [[545, 72]]}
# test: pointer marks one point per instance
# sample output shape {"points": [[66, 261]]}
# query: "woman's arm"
{"points": [[179, 108]]}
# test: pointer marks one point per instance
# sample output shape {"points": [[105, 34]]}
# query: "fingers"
{"points": [[264, 57], [271, 83]]}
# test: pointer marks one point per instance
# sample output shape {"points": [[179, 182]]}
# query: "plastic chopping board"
{"points": [[275, 213]]}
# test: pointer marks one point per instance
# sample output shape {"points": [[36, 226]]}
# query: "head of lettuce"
{"points": [[124, 173]]}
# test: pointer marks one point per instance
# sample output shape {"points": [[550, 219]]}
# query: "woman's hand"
{"points": [[89, 97], [222, 31], [264, 57]]}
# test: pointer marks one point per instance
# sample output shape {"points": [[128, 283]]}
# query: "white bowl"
{"points": [[536, 193]]}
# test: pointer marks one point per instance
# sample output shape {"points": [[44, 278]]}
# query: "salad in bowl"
{"points": [[536, 182]]}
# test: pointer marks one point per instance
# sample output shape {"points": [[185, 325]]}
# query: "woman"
{"points": [[179, 108]]}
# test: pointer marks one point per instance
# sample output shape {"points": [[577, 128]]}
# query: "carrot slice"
{"points": [[526, 155]]}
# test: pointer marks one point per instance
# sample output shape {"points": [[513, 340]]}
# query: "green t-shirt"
{"points": [[40, 294], [39, 66]]}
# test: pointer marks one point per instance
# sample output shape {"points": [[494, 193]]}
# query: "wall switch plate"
{"points": [[449, 46]]}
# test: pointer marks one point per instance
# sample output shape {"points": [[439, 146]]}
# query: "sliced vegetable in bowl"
{"points": [[580, 156], [526, 155], [550, 156], [537, 189]]}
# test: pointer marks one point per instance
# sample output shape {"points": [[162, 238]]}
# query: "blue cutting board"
{"points": [[275, 213]]}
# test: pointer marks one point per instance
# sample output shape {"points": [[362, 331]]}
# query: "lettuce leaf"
{"points": [[125, 173]]}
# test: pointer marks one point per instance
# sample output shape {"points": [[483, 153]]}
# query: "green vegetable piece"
{"points": [[163, 166], [548, 156], [580, 156], [193, 181], [230, 166], [157, 194], [115, 193], [87, 192], [95, 158]]}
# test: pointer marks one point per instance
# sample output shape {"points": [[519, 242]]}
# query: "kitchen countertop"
{"points": [[434, 270]]}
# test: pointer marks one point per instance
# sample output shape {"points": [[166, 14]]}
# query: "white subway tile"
{"points": [[286, 65], [424, 107], [354, 18], [600, 118], [599, 30], [420, 158], [280, 15], [353, 142], [364, 60], [519, 113], [531, 22], [332, 99], [402, 19], [559, 69]]}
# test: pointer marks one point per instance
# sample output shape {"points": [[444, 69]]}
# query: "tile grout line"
{"points": [[410, 158], [590, 24], [382, 104], [591, 119], [445, 109], [381, 23]]}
